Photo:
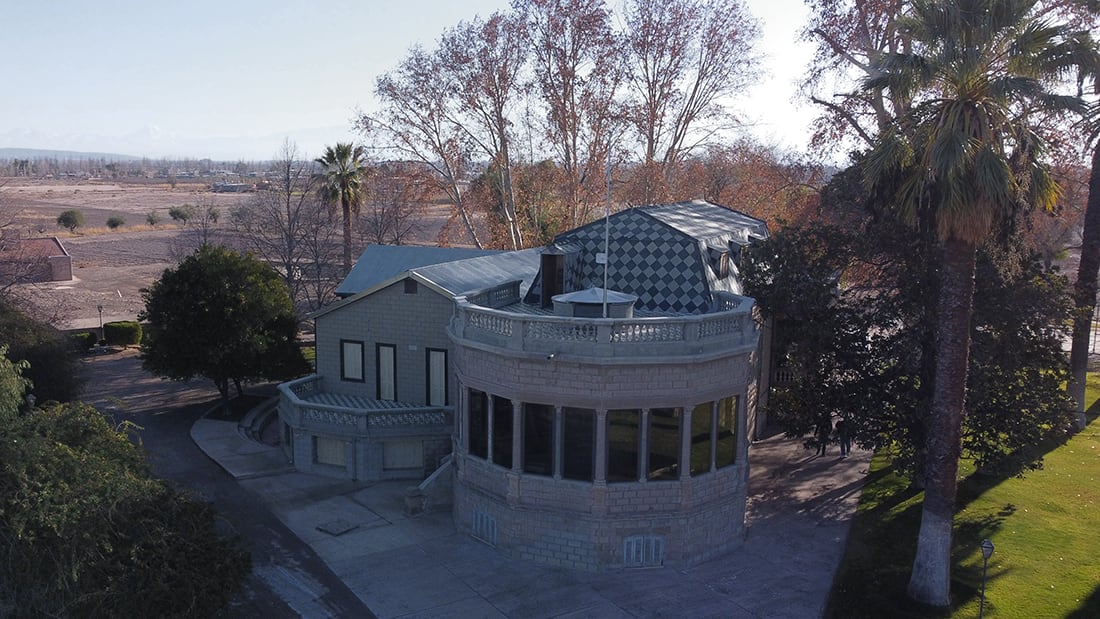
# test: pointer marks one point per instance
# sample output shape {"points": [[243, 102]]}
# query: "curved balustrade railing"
{"points": [[297, 410], [730, 325]]}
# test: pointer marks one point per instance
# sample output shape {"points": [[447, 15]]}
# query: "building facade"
{"points": [[595, 396]]}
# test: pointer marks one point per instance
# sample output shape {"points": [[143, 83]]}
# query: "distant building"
{"points": [[24, 261], [233, 187]]}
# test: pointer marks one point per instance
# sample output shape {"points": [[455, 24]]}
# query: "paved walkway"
{"points": [[800, 508]]}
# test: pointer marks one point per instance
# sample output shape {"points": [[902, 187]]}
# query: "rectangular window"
{"points": [[328, 451], [622, 444], [538, 439], [351, 361], [477, 419], [437, 377], [726, 448], [387, 371], [411, 286], [578, 444], [700, 438], [502, 431], [664, 443]]}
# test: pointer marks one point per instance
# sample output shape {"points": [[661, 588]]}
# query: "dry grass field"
{"points": [[110, 267]]}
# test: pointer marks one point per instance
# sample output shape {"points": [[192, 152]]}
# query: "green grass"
{"points": [[1044, 527]]}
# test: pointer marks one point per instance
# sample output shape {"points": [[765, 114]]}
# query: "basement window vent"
{"points": [[644, 551], [485, 527]]}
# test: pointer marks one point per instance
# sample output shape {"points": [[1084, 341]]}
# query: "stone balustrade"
{"points": [[298, 411], [730, 325]]}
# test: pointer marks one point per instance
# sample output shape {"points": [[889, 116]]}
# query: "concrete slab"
{"points": [[797, 523]]}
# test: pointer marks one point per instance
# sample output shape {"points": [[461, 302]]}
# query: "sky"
{"points": [[232, 79]]}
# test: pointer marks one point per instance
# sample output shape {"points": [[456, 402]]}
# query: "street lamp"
{"points": [[100, 308], [987, 551]]}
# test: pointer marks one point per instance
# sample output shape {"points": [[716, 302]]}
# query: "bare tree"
{"points": [[852, 37], [684, 57], [277, 222], [416, 122], [483, 60], [577, 72], [395, 194]]}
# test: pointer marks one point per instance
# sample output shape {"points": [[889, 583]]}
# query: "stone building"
{"points": [[590, 402]]}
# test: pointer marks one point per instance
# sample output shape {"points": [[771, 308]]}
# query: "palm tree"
{"points": [[966, 157], [342, 170]]}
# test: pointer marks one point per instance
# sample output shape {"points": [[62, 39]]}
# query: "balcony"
{"points": [[304, 405], [482, 319]]}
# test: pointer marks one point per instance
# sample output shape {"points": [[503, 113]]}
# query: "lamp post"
{"points": [[987, 551], [100, 308]]}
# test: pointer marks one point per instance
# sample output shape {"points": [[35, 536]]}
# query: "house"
{"points": [[37, 260], [591, 401]]}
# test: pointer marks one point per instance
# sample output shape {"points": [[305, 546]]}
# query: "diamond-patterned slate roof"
{"points": [[659, 253]]}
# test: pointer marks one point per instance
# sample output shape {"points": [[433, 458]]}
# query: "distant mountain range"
{"points": [[39, 153]]}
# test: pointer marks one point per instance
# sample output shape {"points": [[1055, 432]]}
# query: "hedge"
{"points": [[122, 333]]}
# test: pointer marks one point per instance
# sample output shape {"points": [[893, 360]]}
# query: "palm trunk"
{"points": [[930, 582], [347, 236], [1084, 292]]}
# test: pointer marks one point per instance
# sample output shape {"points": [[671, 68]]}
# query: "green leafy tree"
{"points": [[966, 157], [181, 214], [342, 170], [222, 315], [54, 370], [850, 321], [152, 218], [86, 532], [70, 219], [115, 222]]}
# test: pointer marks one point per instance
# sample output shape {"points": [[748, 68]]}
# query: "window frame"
{"points": [[344, 375]]}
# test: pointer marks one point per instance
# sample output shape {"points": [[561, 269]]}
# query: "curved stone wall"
{"points": [[676, 515]]}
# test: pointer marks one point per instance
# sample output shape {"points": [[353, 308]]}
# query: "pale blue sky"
{"points": [[231, 79]]}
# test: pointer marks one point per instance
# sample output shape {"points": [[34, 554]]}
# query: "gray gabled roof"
{"points": [[379, 263], [462, 276], [456, 277]]}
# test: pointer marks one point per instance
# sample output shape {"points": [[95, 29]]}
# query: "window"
{"points": [[437, 377], [700, 438], [351, 361], [664, 443], [726, 447], [502, 431], [538, 439], [477, 420], [622, 445], [387, 371], [328, 451], [411, 286], [579, 443]]}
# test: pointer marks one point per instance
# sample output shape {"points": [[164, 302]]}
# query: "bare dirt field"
{"points": [[110, 267]]}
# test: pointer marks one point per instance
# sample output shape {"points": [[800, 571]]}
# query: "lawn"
{"points": [[1046, 561]]}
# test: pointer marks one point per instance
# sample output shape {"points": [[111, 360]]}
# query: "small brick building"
{"points": [[25, 261]]}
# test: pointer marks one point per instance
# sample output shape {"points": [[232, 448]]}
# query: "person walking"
{"points": [[844, 435], [824, 431]]}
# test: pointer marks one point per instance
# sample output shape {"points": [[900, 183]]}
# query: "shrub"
{"points": [[115, 222], [152, 218], [122, 333], [71, 219], [84, 340], [181, 214]]}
